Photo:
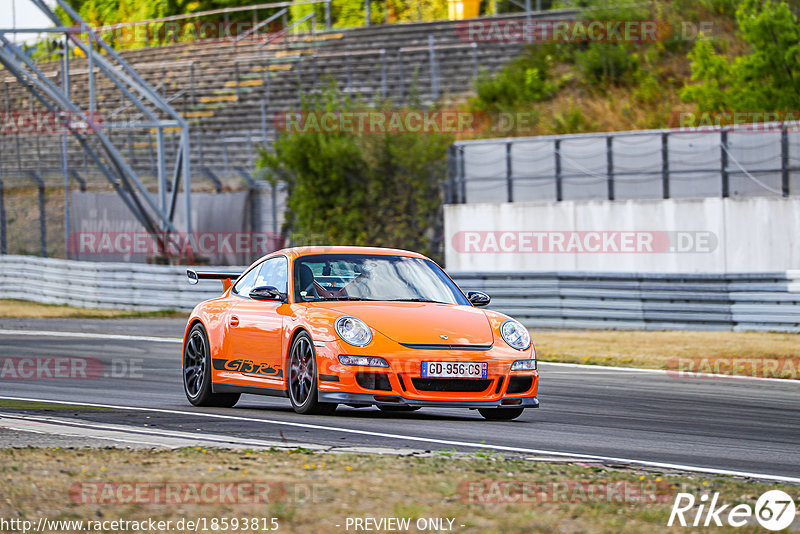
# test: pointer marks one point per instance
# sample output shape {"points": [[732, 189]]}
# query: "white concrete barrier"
{"points": [[711, 235]]}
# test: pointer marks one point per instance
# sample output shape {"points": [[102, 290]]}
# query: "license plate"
{"points": [[454, 369]]}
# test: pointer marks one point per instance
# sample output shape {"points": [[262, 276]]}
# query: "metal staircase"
{"points": [[150, 112]]}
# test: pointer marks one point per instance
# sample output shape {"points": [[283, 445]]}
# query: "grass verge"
{"points": [[9, 404], [318, 492], [770, 354], [26, 309]]}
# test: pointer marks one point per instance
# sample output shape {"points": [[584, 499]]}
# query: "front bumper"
{"points": [[382, 398], [400, 384]]}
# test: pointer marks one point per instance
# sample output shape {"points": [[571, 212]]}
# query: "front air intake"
{"points": [[377, 381], [519, 384], [454, 385]]}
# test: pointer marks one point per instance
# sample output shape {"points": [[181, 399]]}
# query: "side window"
{"points": [[248, 282], [275, 273]]}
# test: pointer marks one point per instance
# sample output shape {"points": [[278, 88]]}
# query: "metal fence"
{"points": [[727, 162], [750, 301], [33, 218]]}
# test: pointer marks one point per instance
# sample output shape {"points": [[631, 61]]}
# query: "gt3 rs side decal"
{"points": [[248, 367]]}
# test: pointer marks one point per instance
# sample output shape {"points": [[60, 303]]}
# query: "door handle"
{"points": [[234, 321]]}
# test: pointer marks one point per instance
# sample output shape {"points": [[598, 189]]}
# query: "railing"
{"points": [[644, 301], [256, 27], [175, 34], [311, 16], [723, 161], [149, 29]]}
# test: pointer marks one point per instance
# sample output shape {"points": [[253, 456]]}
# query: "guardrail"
{"points": [[102, 285], [644, 301]]}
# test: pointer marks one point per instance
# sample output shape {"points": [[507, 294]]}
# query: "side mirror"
{"points": [[266, 293], [479, 298]]}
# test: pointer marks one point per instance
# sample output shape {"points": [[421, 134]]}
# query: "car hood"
{"points": [[423, 323]]}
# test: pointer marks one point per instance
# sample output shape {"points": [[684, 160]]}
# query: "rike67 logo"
{"points": [[774, 510]]}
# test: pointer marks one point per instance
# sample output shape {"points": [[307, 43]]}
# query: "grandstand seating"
{"points": [[231, 92]]}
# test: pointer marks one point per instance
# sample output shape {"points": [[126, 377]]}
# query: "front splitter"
{"points": [[366, 399]]}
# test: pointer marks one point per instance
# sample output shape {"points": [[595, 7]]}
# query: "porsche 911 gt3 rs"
{"points": [[357, 326]]}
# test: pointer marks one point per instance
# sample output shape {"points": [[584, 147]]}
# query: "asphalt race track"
{"points": [[741, 425]]}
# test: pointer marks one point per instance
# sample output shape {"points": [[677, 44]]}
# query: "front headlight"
{"points": [[524, 365], [363, 361], [353, 331], [516, 335]]}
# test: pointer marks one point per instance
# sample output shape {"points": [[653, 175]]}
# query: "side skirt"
{"points": [[227, 388]]}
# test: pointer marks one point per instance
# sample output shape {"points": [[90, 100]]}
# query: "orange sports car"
{"points": [[356, 326]]}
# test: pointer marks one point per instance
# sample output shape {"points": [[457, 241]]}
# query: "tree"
{"points": [[361, 188], [767, 78]]}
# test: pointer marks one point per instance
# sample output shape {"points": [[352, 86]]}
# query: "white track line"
{"points": [[674, 374], [83, 428], [53, 429], [601, 367], [87, 335], [582, 366], [449, 443]]}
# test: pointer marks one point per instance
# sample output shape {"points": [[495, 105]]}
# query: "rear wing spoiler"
{"points": [[227, 278]]}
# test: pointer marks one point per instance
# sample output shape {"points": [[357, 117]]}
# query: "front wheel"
{"points": [[197, 372], [303, 378], [500, 414]]}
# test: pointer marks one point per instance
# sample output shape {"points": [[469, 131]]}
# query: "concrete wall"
{"points": [[712, 235]]}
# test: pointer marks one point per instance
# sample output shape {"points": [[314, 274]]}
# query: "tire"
{"points": [[302, 378], [196, 371], [385, 408], [500, 414]]}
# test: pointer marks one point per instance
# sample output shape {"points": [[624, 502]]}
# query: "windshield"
{"points": [[372, 277]]}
